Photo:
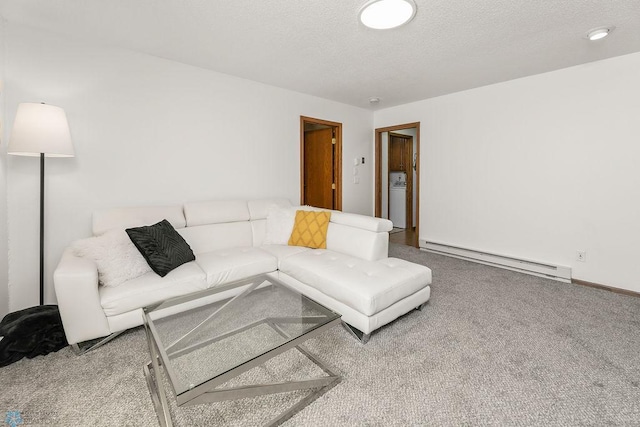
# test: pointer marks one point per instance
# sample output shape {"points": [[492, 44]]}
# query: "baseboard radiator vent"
{"points": [[556, 272]]}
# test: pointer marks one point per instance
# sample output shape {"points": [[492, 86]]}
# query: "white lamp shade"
{"points": [[40, 128]]}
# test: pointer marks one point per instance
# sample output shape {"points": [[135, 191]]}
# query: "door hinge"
{"points": [[333, 186], [333, 140]]}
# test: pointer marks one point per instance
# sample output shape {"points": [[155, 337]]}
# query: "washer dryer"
{"points": [[398, 205]]}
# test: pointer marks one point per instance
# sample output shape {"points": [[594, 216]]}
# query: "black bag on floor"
{"points": [[31, 332]]}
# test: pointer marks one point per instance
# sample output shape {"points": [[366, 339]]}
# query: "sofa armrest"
{"points": [[76, 284]]}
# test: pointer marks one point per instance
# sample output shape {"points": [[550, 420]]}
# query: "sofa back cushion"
{"points": [[121, 218], [216, 212], [212, 237], [259, 209], [217, 224], [259, 228], [221, 224]]}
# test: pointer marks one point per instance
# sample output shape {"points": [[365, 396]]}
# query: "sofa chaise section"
{"points": [[354, 276]]}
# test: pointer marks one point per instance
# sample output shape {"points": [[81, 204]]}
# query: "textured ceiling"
{"points": [[319, 47]]}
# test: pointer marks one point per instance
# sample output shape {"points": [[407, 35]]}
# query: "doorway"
{"points": [[320, 163], [397, 180]]}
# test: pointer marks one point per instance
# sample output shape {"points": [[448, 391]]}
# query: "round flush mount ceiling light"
{"points": [[599, 33], [387, 14]]}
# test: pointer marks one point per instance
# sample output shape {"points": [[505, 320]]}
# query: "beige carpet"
{"points": [[492, 347]]}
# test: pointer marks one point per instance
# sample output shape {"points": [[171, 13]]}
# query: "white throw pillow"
{"points": [[279, 225], [117, 258]]}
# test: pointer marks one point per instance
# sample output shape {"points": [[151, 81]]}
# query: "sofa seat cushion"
{"points": [[228, 265], [150, 289], [366, 286], [283, 251]]}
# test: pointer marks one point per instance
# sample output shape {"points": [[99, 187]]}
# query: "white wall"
{"points": [[538, 168], [4, 250], [151, 131]]}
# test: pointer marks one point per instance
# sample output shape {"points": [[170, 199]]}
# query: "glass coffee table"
{"points": [[206, 339]]}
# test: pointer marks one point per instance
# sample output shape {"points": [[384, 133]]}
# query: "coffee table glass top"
{"points": [[203, 343]]}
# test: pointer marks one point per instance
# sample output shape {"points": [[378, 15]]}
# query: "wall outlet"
{"points": [[581, 256]]}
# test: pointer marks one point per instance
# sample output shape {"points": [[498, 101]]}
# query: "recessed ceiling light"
{"points": [[386, 14], [599, 33]]}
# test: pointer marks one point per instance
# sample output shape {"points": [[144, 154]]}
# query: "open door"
{"points": [[394, 152], [400, 159], [321, 163]]}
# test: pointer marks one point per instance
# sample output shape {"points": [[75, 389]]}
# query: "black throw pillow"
{"points": [[162, 246]]}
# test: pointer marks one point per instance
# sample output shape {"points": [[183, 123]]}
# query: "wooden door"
{"points": [[319, 168], [379, 171], [408, 167], [401, 160]]}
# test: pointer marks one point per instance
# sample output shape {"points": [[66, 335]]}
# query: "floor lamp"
{"points": [[40, 130]]}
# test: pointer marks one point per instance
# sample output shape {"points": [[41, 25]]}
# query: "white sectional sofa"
{"points": [[352, 276]]}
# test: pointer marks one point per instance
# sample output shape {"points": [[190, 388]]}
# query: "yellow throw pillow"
{"points": [[310, 229]]}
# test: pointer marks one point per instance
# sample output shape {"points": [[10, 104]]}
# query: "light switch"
{"points": [[355, 161], [356, 180], [355, 171]]}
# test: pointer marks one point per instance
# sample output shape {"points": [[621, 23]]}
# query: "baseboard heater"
{"points": [[556, 272]]}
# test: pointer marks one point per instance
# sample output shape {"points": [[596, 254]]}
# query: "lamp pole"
{"points": [[41, 228]]}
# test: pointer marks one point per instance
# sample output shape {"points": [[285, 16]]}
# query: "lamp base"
{"points": [[34, 331]]}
